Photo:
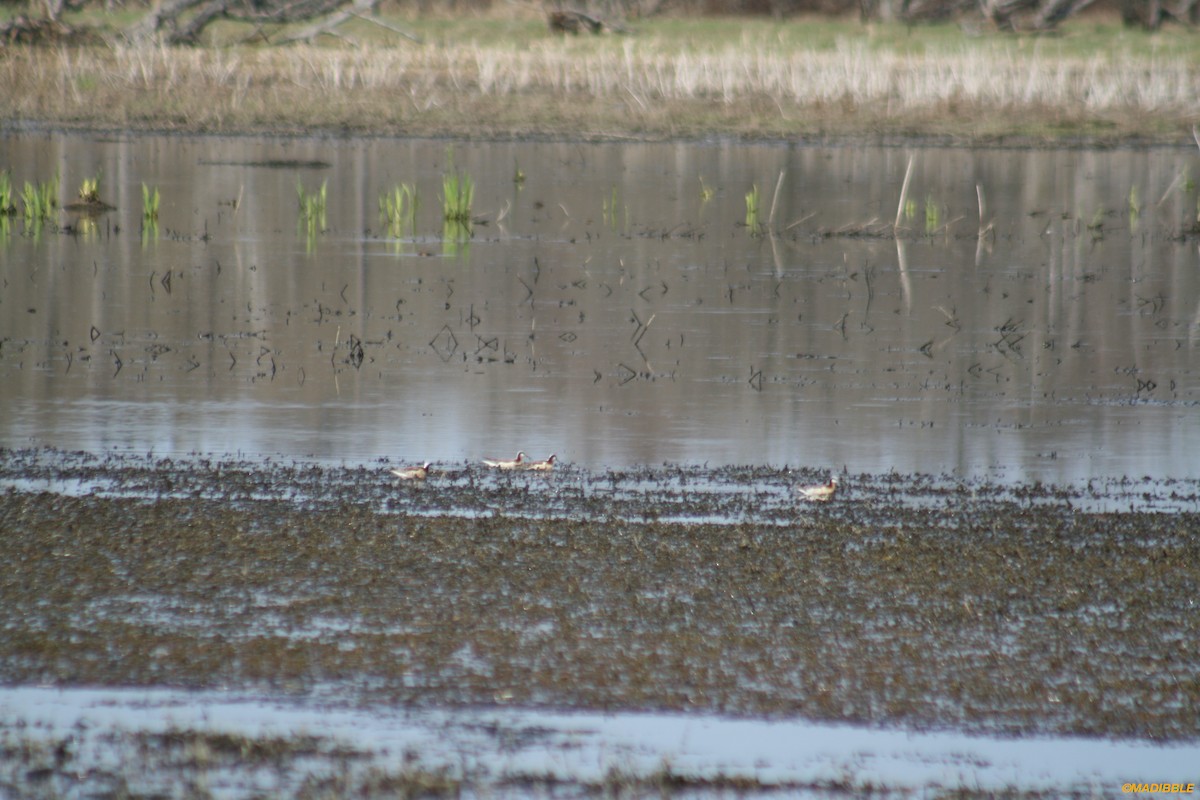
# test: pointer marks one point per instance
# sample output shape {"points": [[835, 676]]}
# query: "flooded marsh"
{"points": [[561, 593], [219, 579]]}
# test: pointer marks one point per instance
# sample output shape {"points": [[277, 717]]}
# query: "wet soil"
{"points": [[909, 600]]}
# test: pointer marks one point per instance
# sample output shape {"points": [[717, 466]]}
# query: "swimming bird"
{"points": [[499, 463], [542, 466], [412, 473], [821, 493]]}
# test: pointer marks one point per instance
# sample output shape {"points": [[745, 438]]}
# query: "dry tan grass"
{"points": [[610, 87]]}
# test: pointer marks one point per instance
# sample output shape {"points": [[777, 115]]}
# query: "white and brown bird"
{"points": [[413, 473], [499, 463], [542, 466], [821, 493]]}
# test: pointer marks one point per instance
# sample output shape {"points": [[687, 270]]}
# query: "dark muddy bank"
{"points": [[907, 601]]}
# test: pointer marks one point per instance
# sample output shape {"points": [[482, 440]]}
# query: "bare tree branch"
{"points": [[182, 21]]}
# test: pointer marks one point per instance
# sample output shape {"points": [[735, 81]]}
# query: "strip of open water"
{"points": [[1033, 317], [502, 752]]}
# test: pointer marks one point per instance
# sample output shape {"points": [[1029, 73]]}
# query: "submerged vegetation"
{"points": [[860, 610]]}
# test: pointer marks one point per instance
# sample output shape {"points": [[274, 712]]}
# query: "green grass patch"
{"points": [[89, 190], [312, 212], [753, 205], [39, 201], [458, 193], [398, 210], [7, 208]]}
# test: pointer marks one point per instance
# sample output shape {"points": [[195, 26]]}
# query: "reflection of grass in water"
{"points": [[933, 215], [611, 210], [456, 238]]}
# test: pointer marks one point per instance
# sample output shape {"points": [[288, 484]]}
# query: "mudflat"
{"points": [[906, 599]]}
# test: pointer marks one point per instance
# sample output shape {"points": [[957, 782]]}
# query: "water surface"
{"points": [[613, 306], [502, 752]]}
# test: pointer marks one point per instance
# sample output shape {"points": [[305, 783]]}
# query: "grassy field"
{"points": [[493, 76]]}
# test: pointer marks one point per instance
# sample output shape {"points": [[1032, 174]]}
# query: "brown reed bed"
{"points": [[737, 79]]}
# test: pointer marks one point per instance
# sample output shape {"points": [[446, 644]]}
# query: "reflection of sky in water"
{"points": [[1047, 353], [584, 747], [468, 428]]}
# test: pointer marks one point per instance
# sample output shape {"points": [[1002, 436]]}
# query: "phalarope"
{"points": [[542, 466], [822, 493], [413, 473], [497, 463]]}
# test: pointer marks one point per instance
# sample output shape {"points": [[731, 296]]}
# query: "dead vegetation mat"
{"points": [[1008, 616]]}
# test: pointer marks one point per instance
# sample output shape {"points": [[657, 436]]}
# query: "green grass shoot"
{"points": [[752, 208], [312, 204], [612, 208], [312, 212], [39, 200], [933, 215], [458, 192], [149, 204], [89, 190], [7, 209]]}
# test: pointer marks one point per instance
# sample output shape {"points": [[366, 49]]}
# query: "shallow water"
{"points": [[502, 752], [605, 310]]}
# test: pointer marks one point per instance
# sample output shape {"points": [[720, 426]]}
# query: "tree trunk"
{"points": [[162, 14], [1145, 14], [1001, 12], [1055, 11], [182, 21]]}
